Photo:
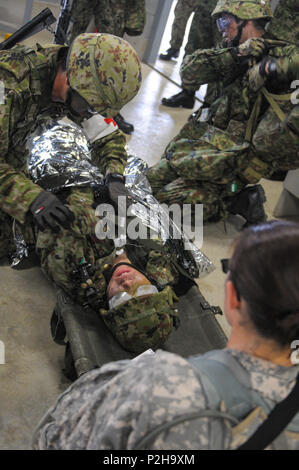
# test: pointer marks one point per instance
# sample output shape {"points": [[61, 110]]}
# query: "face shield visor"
{"points": [[223, 23], [123, 296]]}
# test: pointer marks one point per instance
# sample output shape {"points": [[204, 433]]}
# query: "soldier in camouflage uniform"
{"points": [[248, 133], [62, 226], [114, 17], [203, 34], [166, 402], [285, 23]]}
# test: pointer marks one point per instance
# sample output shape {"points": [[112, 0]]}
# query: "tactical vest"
{"points": [[232, 400]]}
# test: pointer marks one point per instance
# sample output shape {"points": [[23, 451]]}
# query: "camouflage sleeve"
{"points": [[135, 16], [102, 410], [109, 153], [288, 68], [208, 65], [16, 190]]}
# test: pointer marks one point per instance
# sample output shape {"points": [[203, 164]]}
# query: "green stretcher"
{"points": [[90, 344]]}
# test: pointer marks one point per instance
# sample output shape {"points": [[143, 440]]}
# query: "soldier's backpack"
{"points": [[254, 426]]}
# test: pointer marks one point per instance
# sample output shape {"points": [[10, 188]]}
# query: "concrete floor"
{"points": [[32, 377]]}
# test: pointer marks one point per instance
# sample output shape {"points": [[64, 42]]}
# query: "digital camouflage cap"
{"points": [[246, 10], [144, 322], [105, 70]]}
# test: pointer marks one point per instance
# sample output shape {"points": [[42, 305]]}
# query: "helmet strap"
{"points": [[235, 42]]}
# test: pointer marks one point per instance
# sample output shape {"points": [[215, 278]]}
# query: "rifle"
{"points": [[60, 35], [41, 21]]}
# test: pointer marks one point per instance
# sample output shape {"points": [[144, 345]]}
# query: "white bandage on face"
{"points": [[123, 296], [98, 127]]}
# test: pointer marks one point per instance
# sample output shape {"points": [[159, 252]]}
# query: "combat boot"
{"points": [[124, 125], [184, 99], [171, 52], [249, 203]]}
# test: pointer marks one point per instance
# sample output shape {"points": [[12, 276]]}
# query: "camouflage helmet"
{"points": [[144, 322], [104, 70], [245, 10]]}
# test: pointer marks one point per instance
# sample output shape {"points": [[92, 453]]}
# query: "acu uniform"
{"points": [[161, 411]]}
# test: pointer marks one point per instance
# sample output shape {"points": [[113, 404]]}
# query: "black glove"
{"points": [[114, 186], [252, 48], [49, 211]]}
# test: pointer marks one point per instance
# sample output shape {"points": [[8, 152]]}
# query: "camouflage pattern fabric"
{"points": [[111, 16], [105, 70], [141, 324], [210, 161], [115, 407], [28, 76], [138, 324], [182, 12], [204, 34], [246, 10], [285, 23]]}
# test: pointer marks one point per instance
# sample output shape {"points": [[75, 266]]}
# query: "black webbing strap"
{"points": [[276, 422]]}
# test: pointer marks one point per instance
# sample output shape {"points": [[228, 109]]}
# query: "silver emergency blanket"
{"points": [[153, 215], [59, 157]]}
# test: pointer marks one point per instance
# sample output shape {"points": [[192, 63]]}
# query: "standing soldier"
{"points": [[114, 17], [203, 35], [248, 133]]}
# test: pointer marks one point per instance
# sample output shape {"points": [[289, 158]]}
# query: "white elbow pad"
{"points": [[98, 127]]}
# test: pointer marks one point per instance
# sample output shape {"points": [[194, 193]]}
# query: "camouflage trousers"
{"points": [[202, 165], [204, 34], [182, 13], [61, 253]]}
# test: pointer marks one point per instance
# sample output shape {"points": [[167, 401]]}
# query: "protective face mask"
{"points": [[223, 23], [123, 296]]}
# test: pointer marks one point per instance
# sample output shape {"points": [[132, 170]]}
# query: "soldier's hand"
{"points": [[110, 190], [252, 48], [49, 211], [257, 75], [116, 186]]}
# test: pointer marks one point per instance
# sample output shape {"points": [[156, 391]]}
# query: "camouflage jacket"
{"points": [[28, 76], [232, 110], [285, 23], [116, 406]]}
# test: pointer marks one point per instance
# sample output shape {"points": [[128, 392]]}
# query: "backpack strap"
{"points": [[267, 432], [144, 441], [281, 415]]}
